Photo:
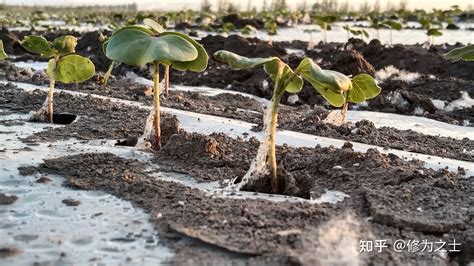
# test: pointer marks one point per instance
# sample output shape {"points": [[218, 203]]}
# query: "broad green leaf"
{"points": [[136, 47], [465, 53], [142, 28], [330, 84], [65, 44], [71, 69], [3, 55], [295, 85], [364, 87], [154, 25], [237, 62], [197, 65], [434, 32], [38, 45]]}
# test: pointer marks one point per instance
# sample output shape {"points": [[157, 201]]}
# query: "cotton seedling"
{"points": [[355, 32], [139, 45], [325, 23], [64, 65], [393, 25], [271, 27], [337, 88], [432, 28]]}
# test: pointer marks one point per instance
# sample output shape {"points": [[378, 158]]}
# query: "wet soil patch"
{"points": [[238, 226], [6, 252], [7, 199], [71, 202], [389, 190]]}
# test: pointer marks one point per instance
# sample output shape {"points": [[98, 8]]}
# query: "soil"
{"points": [[126, 123], [6, 252], [389, 199], [7, 199], [439, 79], [71, 202]]}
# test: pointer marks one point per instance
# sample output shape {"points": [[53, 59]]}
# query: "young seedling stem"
{"points": [[156, 105], [108, 73], [279, 89]]}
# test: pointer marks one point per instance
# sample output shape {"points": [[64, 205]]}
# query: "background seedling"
{"points": [[335, 87], [355, 32], [64, 66], [325, 23], [393, 25], [139, 45], [272, 29], [432, 28]]}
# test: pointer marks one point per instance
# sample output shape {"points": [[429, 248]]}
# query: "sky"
{"points": [[195, 4]]}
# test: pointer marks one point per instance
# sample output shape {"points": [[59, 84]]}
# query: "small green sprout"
{"points": [[325, 23], [393, 25], [248, 30], [64, 66], [465, 53], [337, 88], [228, 27], [139, 45], [431, 27], [376, 24], [355, 32], [272, 29]]}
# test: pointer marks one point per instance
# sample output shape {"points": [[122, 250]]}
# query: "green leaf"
{"points": [[237, 62], [271, 68], [434, 32], [465, 53], [3, 55], [295, 85], [197, 65], [65, 44], [364, 87], [37, 45], [142, 28], [154, 25], [394, 25], [71, 69], [136, 47], [330, 84]]}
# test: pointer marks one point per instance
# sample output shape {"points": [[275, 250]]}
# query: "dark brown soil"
{"points": [[448, 82], [6, 252], [71, 202], [402, 199], [126, 123], [7, 199]]}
